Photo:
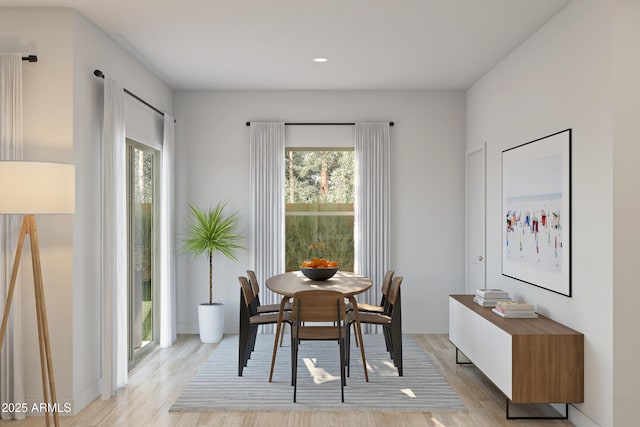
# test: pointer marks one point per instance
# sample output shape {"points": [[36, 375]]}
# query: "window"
{"points": [[142, 165], [319, 195]]}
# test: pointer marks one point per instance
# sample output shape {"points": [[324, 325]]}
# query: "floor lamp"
{"points": [[30, 188]]}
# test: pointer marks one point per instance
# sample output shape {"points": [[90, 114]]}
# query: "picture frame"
{"points": [[536, 212]]}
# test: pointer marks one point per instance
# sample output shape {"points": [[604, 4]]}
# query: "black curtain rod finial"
{"points": [[30, 58]]}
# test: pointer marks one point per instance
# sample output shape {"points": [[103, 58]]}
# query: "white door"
{"points": [[475, 219]]}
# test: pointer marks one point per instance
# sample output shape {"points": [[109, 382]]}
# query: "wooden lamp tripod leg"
{"points": [[43, 330], [29, 227], [41, 346]]}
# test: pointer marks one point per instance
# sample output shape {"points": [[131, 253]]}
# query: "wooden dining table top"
{"points": [[347, 283]]}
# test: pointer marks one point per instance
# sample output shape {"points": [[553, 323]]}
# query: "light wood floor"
{"points": [[159, 380]]}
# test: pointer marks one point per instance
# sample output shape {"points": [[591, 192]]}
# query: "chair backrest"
{"points": [[253, 279], [247, 293], [386, 282], [318, 306], [394, 292]]}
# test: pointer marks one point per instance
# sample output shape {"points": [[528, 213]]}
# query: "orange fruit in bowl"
{"points": [[319, 263]]}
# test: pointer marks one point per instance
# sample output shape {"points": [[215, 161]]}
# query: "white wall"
{"points": [[93, 49], [48, 136], [427, 183], [62, 122], [626, 199], [558, 79]]}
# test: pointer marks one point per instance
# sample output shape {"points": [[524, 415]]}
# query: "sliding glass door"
{"points": [[142, 167]]}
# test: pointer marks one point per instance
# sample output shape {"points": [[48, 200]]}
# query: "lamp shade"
{"points": [[36, 187]]}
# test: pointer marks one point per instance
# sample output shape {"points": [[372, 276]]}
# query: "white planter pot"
{"points": [[211, 322]]}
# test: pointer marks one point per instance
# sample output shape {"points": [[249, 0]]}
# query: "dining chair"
{"points": [[390, 320], [255, 287], [267, 308], [311, 316], [250, 319], [372, 308]]}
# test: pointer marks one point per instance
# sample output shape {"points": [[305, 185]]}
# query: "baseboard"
{"points": [[187, 328], [86, 396], [431, 328], [65, 407]]}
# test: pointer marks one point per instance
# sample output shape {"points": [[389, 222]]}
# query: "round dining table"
{"points": [[349, 284], [287, 284]]}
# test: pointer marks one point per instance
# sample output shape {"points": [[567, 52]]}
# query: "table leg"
{"points": [[354, 303], [275, 340]]}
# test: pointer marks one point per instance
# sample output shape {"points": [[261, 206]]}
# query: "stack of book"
{"points": [[515, 310], [490, 297]]}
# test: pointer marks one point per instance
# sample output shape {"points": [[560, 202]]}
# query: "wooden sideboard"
{"points": [[529, 360]]}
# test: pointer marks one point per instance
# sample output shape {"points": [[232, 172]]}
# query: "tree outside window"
{"points": [[319, 192]]}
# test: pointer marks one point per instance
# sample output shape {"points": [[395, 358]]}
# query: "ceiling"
{"points": [[270, 44]]}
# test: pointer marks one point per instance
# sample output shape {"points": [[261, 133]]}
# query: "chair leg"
{"points": [[243, 341], [343, 380], [348, 349], [396, 327], [254, 335], [357, 341], [397, 348], [247, 345], [294, 365], [294, 356], [241, 348], [396, 345], [389, 333], [387, 338]]}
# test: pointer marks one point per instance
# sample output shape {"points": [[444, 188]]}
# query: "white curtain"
{"points": [[167, 237], [266, 174], [372, 205], [11, 367], [114, 242]]}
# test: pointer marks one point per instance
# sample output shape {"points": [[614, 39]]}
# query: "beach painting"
{"points": [[536, 199]]}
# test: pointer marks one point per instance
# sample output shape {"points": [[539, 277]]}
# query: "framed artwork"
{"points": [[536, 212]]}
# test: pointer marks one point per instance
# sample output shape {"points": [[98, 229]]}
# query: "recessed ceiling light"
{"points": [[320, 59]]}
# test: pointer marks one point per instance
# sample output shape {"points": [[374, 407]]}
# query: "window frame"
{"points": [[136, 355], [287, 213]]}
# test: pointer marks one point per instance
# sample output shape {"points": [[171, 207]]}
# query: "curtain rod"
{"points": [[30, 58], [100, 74], [320, 124]]}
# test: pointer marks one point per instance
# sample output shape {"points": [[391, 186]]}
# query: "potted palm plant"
{"points": [[210, 231]]}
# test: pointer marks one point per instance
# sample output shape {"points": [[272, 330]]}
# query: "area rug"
{"points": [[217, 386]]}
